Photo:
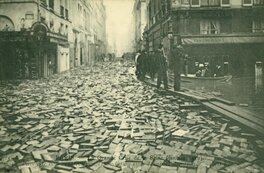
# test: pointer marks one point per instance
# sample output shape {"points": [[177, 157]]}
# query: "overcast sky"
{"points": [[119, 24]]}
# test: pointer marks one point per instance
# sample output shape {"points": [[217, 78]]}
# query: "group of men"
{"points": [[157, 63]]}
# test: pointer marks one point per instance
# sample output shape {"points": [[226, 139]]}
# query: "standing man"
{"points": [[177, 54], [162, 66]]}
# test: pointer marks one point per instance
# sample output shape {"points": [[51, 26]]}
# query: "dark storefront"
{"points": [[22, 56]]}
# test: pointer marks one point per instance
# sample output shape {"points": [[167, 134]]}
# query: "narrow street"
{"points": [[101, 119]]}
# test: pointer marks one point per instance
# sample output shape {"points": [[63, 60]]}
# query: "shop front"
{"points": [[26, 55]]}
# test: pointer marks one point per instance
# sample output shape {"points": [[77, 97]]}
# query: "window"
{"points": [[258, 26], [247, 2], [258, 2], [29, 15], [225, 3], [66, 30], [42, 19], [43, 2], [62, 11], [195, 3], [66, 13], [209, 27], [51, 4], [61, 29], [52, 25], [211, 3]]}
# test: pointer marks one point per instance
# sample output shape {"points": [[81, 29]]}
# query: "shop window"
{"points": [[258, 2], [194, 26], [258, 26], [226, 25], [184, 29], [209, 27]]}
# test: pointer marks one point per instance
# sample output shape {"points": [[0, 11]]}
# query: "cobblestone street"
{"points": [[101, 119]]}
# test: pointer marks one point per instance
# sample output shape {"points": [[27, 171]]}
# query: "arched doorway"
{"points": [[6, 24]]}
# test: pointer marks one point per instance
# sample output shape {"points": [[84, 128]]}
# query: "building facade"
{"points": [[140, 24], [89, 34], [41, 37], [229, 33]]}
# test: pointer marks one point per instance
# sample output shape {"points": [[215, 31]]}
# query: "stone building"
{"points": [[41, 37], [140, 22], [229, 33], [99, 29], [88, 27]]}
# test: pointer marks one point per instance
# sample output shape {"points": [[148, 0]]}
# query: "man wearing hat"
{"points": [[177, 54], [162, 66]]}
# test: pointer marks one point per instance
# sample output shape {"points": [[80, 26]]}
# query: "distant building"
{"points": [[89, 35], [229, 33], [41, 37], [140, 22]]}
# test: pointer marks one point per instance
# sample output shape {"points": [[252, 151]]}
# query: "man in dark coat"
{"points": [[141, 65], [153, 66], [177, 56], [162, 66]]}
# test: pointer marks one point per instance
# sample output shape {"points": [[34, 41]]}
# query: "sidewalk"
{"points": [[221, 106]]}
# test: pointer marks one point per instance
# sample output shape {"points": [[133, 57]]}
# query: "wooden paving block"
{"points": [[47, 157], [201, 169], [114, 168], [182, 170], [37, 154], [63, 167], [25, 170]]}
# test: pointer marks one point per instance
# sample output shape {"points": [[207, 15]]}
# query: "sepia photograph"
{"points": [[131, 86]]}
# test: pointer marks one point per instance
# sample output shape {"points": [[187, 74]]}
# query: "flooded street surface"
{"points": [[240, 90], [102, 120]]}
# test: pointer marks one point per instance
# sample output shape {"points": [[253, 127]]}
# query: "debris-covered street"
{"points": [[101, 119]]}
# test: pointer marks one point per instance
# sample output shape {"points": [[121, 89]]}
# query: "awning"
{"points": [[222, 40]]}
